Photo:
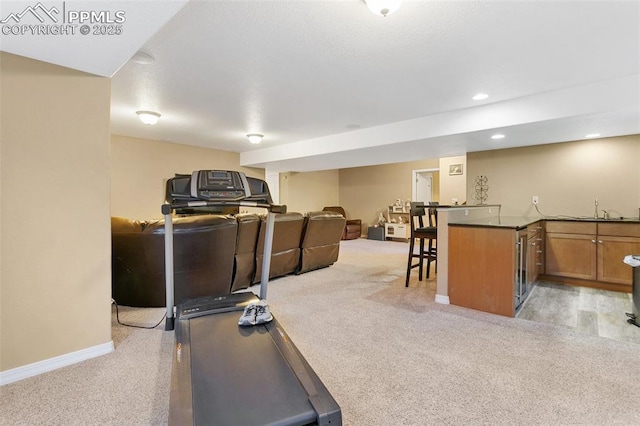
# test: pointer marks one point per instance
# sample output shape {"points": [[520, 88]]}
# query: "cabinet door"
{"points": [[533, 259], [539, 266], [535, 253], [611, 252], [571, 255]]}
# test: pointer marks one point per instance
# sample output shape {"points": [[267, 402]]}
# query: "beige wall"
{"points": [[566, 177], [366, 190], [311, 191], [453, 186], [55, 287], [140, 168]]}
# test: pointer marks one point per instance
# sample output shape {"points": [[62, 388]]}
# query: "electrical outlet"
{"points": [[534, 200]]}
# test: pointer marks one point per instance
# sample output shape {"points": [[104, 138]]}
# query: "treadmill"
{"points": [[224, 374]]}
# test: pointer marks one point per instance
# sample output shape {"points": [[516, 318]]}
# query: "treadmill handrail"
{"points": [[167, 208]]}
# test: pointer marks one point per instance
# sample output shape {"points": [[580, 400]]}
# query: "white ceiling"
{"points": [[331, 85], [96, 54]]}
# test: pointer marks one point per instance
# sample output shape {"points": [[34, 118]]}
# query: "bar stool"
{"points": [[422, 233]]}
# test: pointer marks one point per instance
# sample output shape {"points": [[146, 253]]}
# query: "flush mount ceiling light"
{"points": [[480, 97], [148, 117], [383, 7], [255, 137], [592, 135], [497, 136]]}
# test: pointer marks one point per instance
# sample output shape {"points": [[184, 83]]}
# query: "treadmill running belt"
{"points": [[241, 380]]}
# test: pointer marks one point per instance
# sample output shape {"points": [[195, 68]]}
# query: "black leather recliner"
{"points": [[321, 240], [285, 253], [244, 268], [204, 248], [353, 227]]}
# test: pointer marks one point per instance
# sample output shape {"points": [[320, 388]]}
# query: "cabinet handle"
{"points": [[533, 244], [539, 264], [600, 241], [539, 251]]}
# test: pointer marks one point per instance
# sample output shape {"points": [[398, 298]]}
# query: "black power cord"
{"points": [[134, 325]]}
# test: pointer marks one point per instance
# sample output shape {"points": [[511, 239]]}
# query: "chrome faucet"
{"points": [[605, 214]]}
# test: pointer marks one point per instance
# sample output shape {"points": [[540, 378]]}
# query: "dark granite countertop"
{"points": [[516, 222], [592, 219], [519, 222]]}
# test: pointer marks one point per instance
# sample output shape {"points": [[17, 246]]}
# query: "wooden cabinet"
{"points": [[482, 267], [615, 241], [535, 252], [591, 251], [570, 249]]}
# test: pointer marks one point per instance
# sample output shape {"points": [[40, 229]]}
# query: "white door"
{"points": [[423, 187]]}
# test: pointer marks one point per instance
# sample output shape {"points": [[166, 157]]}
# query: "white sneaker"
{"points": [[262, 312], [248, 317], [255, 313]]}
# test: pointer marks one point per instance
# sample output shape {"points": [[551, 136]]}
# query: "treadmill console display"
{"points": [[219, 185], [213, 191]]}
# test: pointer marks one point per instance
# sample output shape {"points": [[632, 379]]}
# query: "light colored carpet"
{"points": [[129, 386], [388, 354]]}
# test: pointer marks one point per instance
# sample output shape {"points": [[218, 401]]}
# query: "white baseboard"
{"points": [[51, 364], [444, 300]]}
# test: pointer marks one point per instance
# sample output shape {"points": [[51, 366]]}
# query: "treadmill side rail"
{"points": [[181, 387], [327, 410]]}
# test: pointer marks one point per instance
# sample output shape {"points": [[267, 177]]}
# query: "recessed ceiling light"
{"points": [[480, 96], [383, 7], [497, 136], [148, 117], [592, 135], [143, 58], [255, 137]]}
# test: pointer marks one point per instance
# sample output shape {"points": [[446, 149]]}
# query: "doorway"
{"points": [[422, 185]]}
